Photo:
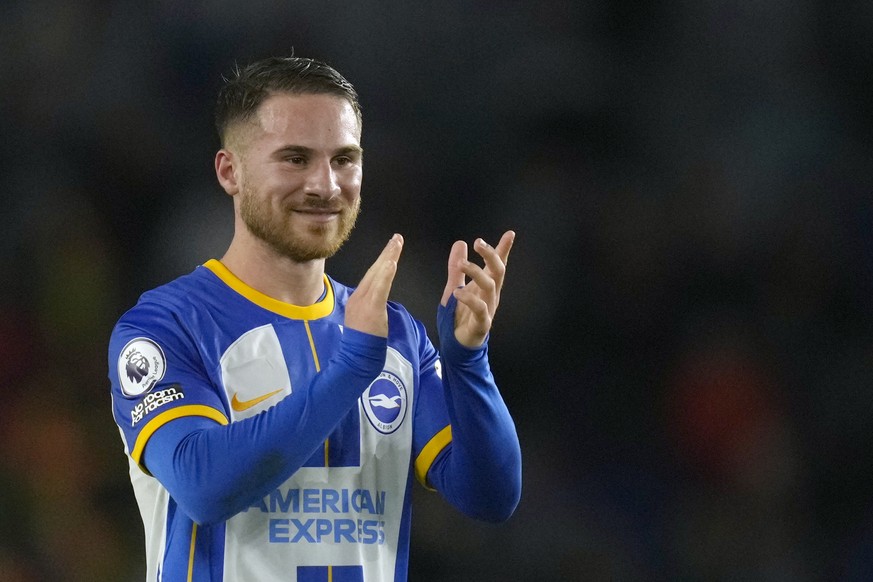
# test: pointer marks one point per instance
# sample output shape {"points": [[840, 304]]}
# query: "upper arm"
{"points": [[157, 376], [160, 452]]}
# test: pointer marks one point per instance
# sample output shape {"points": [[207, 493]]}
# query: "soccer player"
{"points": [[274, 418]]}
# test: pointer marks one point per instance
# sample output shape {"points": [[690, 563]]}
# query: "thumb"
{"points": [[455, 279]]}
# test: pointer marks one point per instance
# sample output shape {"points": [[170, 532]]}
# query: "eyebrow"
{"points": [[298, 149]]}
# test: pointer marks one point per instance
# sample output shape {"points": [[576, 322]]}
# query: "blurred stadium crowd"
{"points": [[686, 336]]}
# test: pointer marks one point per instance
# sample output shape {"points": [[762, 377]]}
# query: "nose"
{"points": [[321, 180]]}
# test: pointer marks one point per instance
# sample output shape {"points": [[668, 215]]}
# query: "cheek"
{"points": [[351, 184], [274, 185]]}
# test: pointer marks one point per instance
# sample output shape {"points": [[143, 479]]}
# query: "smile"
{"points": [[319, 215]]}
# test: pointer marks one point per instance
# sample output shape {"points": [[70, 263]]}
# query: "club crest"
{"points": [[385, 403]]}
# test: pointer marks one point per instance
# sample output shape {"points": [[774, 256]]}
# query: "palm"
{"points": [[366, 307]]}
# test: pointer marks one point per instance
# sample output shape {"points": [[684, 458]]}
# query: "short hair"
{"points": [[245, 89]]}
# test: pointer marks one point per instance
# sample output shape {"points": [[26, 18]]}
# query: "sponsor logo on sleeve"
{"points": [[385, 402], [141, 365]]}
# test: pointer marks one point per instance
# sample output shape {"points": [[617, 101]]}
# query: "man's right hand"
{"points": [[366, 309]]}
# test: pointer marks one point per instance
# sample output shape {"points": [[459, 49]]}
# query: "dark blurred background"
{"points": [[685, 336]]}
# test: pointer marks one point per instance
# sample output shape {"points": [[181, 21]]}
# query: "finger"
{"points": [[457, 257], [474, 301], [380, 287], [385, 268], [394, 247], [477, 320], [483, 284], [494, 264], [505, 245], [501, 252], [391, 252], [365, 308]]}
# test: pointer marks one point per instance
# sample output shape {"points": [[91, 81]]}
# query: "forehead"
{"points": [[314, 117]]}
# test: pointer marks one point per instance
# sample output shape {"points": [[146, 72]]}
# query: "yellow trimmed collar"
{"points": [[315, 311]]}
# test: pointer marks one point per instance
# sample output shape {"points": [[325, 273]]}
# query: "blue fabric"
{"points": [[480, 472], [179, 359], [241, 462]]}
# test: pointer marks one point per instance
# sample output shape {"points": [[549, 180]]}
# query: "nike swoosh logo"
{"points": [[240, 405]]}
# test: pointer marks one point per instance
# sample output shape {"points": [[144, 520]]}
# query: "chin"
{"points": [[313, 250]]}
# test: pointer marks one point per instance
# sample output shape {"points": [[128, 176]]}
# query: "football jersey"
{"points": [[208, 345]]}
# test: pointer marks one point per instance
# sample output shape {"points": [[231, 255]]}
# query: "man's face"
{"points": [[301, 170]]}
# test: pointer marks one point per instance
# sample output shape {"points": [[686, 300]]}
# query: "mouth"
{"points": [[318, 214]]}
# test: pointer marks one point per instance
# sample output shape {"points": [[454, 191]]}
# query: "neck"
{"points": [[274, 275]]}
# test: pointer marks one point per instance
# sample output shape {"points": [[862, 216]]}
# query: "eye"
{"points": [[295, 159], [343, 161]]}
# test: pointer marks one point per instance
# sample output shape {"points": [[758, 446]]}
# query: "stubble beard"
{"points": [[321, 241]]}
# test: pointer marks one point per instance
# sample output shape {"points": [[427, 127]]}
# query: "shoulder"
{"points": [[397, 312], [404, 328], [170, 304], [181, 291], [396, 309]]}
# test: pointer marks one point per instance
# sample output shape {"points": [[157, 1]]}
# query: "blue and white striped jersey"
{"points": [[207, 345]]}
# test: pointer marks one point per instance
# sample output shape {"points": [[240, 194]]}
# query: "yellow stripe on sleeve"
{"points": [[163, 418], [429, 453]]}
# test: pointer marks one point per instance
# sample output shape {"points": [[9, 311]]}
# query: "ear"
{"points": [[226, 163]]}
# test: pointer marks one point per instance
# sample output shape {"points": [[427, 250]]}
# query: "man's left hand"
{"points": [[477, 299]]}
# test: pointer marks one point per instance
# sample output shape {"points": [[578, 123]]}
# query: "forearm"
{"points": [[480, 473], [214, 471]]}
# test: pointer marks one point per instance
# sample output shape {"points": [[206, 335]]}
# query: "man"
{"points": [[273, 417]]}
